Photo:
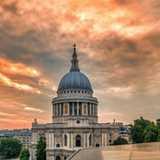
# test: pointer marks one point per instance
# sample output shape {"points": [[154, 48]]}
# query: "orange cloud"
{"points": [[6, 66], [31, 109], [8, 82]]}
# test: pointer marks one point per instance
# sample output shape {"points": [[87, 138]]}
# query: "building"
{"points": [[74, 118], [24, 135]]}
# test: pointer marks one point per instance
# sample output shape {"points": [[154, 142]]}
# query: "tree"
{"points": [[138, 130], [41, 149], [24, 154], [151, 133], [120, 141], [10, 148]]}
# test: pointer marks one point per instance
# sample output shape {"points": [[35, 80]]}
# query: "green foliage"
{"points": [[120, 141], [41, 149], [24, 154], [145, 131], [10, 148], [151, 133]]}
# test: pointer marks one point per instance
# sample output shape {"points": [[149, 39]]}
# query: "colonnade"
{"points": [[74, 109]]}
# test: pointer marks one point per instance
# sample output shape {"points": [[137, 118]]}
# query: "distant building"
{"points": [[124, 130], [75, 120], [24, 135]]}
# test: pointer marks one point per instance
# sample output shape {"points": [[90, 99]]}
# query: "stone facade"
{"points": [[74, 119]]}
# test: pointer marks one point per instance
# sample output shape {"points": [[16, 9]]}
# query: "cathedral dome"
{"points": [[75, 79]]}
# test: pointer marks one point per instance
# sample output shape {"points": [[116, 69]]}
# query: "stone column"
{"points": [[88, 134], [60, 109], [77, 108], [90, 109], [72, 140], [72, 108], [52, 140], [49, 140], [102, 139], [68, 140], [53, 110], [105, 139], [85, 140], [82, 106], [56, 112]]}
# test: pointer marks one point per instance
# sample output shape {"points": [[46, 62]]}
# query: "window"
{"points": [[70, 108], [88, 108], [65, 158], [78, 141], [65, 140], [61, 105], [57, 145], [65, 108], [75, 108], [80, 108], [85, 108], [97, 145], [58, 158], [58, 106], [78, 122], [91, 109]]}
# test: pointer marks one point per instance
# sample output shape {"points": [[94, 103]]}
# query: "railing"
{"points": [[74, 153]]}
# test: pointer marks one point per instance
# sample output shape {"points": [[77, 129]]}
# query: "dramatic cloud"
{"points": [[118, 43], [17, 68]]}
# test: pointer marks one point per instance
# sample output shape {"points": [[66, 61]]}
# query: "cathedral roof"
{"points": [[75, 79]]}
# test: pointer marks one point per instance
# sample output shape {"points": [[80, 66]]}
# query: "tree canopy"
{"points": [[120, 141], [24, 154], [10, 148], [41, 149], [145, 131]]}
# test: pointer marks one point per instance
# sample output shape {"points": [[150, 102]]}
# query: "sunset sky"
{"points": [[118, 45]]}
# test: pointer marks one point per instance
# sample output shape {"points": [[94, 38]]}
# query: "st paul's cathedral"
{"points": [[74, 118]]}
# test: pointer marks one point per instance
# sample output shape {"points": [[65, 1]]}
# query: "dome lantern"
{"points": [[74, 61]]}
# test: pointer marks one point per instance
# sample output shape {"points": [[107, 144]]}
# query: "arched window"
{"points": [[65, 108], [90, 140], [80, 108], [65, 140], [58, 158], [78, 141], [57, 145], [75, 108], [97, 145], [65, 157], [89, 111], [70, 108]]}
